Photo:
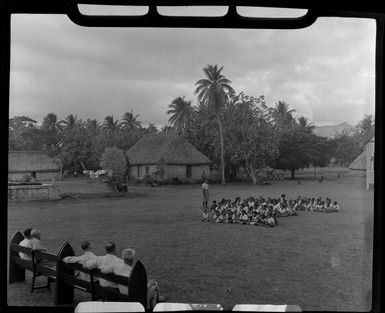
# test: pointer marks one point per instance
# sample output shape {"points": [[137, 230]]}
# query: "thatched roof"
{"points": [[170, 147], [367, 138], [30, 161], [359, 163]]}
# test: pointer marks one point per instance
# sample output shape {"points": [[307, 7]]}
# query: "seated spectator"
{"points": [[26, 242], [124, 269], [83, 259], [104, 263], [36, 240], [36, 245]]}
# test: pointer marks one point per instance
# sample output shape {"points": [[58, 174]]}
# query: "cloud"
{"points": [[325, 72]]}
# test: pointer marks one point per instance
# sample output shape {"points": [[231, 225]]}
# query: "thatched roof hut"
{"points": [[173, 152], [358, 166], [36, 164], [170, 147]]}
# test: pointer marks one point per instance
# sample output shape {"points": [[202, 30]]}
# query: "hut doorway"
{"points": [[188, 171]]}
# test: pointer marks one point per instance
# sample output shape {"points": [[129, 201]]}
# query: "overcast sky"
{"points": [[324, 72]]}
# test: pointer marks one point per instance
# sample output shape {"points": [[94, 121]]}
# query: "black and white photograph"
{"points": [[171, 168]]}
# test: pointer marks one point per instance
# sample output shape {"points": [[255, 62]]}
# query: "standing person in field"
{"points": [[205, 190]]}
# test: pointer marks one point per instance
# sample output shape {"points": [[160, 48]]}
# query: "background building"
{"points": [[358, 166], [34, 164], [368, 144], [169, 155]]}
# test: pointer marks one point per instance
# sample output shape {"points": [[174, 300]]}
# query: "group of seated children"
{"points": [[263, 211], [250, 211], [317, 205]]}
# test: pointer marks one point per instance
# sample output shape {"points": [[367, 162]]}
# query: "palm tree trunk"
{"points": [[222, 152]]}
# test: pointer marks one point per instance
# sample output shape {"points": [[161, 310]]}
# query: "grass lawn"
{"points": [[316, 260]]}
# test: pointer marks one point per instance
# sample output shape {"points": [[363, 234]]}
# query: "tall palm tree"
{"points": [[282, 115], [93, 124], [130, 121], [110, 124], [69, 122], [50, 122], [51, 131], [214, 91], [304, 124], [181, 111]]}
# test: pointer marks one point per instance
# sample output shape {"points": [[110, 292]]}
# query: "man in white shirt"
{"points": [[83, 259], [104, 263], [26, 242], [124, 269]]}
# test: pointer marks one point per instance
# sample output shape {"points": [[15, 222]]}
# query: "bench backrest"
{"points": [[23, 263], [67, 274], [137, 287], [64, 292], [44, 263], [108, 292], [17, 265]]}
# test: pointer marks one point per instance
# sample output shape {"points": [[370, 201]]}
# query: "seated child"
{"points": [[335, 207], [253, 220], [205, 215], [312, 204], [219, 219], [214, 205], [244, 217], [323, 206], [270, 221]]}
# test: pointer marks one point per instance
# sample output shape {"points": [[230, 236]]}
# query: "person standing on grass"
{"points": [[205, 190]]}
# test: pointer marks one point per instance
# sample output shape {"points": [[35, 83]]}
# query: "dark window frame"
{"points": [[317, 8]]}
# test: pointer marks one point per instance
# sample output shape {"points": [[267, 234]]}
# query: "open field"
{"points": [[318, 261]]}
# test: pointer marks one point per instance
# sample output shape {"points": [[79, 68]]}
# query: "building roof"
{"points": [[30, 161], [367, 138], [170, 147], [359, 163]]}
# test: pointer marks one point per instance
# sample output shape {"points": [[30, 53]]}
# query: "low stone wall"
{"points": [[33, 192]]}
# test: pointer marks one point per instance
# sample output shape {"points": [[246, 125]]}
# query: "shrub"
{"points": [[115, 160]]}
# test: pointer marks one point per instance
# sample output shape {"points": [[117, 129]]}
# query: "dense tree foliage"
{"points": [[114, 160], [250, 138], [235, 131]]}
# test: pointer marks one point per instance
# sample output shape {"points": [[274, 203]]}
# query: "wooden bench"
{"points": [[63, 274], [67, 282], [136, 284], [18, 265], [43, 264]]}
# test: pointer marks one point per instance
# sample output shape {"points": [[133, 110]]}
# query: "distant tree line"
{"points": [[234, 130]]}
